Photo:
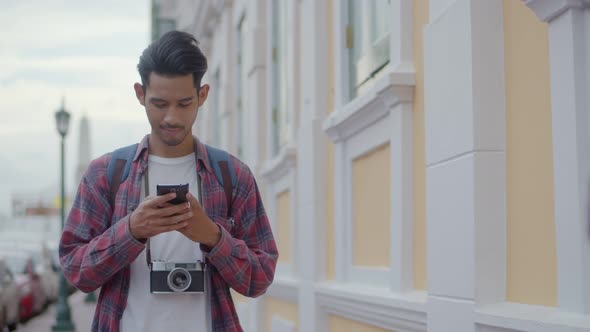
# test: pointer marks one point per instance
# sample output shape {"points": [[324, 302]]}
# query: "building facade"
{"points": [[425, 164]]}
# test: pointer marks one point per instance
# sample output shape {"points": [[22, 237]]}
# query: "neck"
{"points": [[160, 149]]}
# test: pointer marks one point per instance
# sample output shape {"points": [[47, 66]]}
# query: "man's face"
{"points": [[171, 104]]}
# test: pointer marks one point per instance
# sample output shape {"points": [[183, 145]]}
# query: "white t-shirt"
{"points": [[165, 312]]}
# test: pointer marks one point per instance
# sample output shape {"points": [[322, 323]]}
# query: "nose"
{"points": [[172, 116]]}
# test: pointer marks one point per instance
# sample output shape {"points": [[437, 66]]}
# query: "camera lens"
{"points": [[179, 279]]}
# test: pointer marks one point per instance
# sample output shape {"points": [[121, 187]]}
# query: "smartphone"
{"points": [[180, 189]]}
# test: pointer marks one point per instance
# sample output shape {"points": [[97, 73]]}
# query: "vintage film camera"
{"points": [[184, 278]]}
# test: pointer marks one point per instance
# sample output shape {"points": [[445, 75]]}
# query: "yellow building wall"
{"points": [[531, 249], [341, 324], [284, 226], [420, 12], [330, 228], [371, 197], [285, 310]]}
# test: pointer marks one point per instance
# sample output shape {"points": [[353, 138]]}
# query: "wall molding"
{"points": [[284, 288], [279, 324], [402, 313], [390, 90], [547, 10], [522, 317], [279, 166]]}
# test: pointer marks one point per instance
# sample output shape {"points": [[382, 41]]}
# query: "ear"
{"points": [[203, 93], [139, 93]]}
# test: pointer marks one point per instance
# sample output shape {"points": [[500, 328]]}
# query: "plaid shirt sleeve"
{"points": [[246, 260], [92, 248]]}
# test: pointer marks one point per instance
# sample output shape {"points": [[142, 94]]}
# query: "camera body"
{"points": [[177, 278]]}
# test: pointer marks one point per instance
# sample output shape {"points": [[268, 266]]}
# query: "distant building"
{"points": [[84, 152], [42, 203]]}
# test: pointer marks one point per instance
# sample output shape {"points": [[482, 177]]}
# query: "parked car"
{"points": [[43, 263], [9, 298], [32, 294]]}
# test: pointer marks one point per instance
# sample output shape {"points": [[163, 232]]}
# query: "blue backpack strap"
{"points": [[222, 165], [118, 168]]}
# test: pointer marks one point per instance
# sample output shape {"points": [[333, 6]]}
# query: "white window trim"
{"points": [[240, 20], [399, 312], [213, 101], [292, 75], [400, 46], [381, 116], [280, 175], [239, 11]]}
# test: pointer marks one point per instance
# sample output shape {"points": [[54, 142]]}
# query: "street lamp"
{"points": [[63, 318]]}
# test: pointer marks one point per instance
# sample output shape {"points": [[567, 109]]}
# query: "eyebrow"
{"points": [[160, 100]]}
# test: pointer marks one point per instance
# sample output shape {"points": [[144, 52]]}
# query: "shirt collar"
{"points": [[200, 151]]}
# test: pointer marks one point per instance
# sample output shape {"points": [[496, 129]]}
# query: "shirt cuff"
{"points": [[222, 248], [123, 234]]}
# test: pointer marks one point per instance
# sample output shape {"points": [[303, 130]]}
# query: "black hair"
{"points": [[176, 53]]}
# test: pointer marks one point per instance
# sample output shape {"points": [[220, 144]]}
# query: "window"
{"points": [[240, 89], [160, 25], [165, 25], [280, 116], [215, 110], [367, 38]]}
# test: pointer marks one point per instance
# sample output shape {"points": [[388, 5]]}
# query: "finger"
{"points": [[174, 227], [181, 217], [173, 219], [165, 205], [193, 201], [160, 200], [173, 209]]}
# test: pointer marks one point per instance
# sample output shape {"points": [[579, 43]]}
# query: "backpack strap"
{"points": [[224, 172], [118, 168]]}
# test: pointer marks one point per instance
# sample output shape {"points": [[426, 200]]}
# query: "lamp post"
{"points": [[63, 319]]}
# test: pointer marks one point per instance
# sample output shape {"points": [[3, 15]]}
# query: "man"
{"points": [[105, 238]]}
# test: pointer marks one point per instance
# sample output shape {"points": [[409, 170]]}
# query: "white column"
{"points": [[311, 148], [465, 157], [255, 111], [569, 49], [255, 117]]}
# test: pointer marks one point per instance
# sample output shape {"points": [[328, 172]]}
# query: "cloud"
{"points": [[86, 51], [41, 24]]}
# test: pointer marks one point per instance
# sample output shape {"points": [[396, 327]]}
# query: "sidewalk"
{"points": [[81, 312]]}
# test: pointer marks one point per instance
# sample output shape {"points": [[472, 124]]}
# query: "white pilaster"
{"points": [[311, 159], [569, 49], [465, 153], [255, 116]]}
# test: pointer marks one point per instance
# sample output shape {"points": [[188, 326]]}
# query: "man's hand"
{"points": [[199, 227], [155, 215]]}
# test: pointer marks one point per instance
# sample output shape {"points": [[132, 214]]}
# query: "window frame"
{"points": [[381, 114]]}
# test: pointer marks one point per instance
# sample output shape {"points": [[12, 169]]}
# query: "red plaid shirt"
{"points": [[96, 248]]}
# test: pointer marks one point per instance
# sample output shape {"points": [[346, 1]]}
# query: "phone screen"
{"points": [[180, 189]]}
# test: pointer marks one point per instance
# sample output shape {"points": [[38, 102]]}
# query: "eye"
{"points": [[185, 105], [160, 105]]}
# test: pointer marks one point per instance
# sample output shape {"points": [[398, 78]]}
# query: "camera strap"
{"points": [[148, 251]]}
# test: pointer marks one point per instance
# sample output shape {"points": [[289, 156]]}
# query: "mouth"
{"points": [[171, 130]]}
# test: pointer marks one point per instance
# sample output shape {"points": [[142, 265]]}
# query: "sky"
{"points": [[81, 50]]}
